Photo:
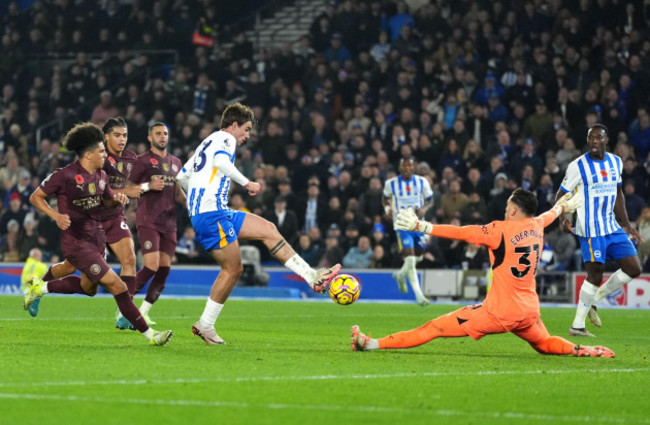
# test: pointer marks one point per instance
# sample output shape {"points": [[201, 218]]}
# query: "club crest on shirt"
{"points": [[166, 167], [95, 269], [91, 188], [102, 185], [120, 167], [612, 172]]}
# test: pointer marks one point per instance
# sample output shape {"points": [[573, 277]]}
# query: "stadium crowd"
{"points": [[486, 96]]}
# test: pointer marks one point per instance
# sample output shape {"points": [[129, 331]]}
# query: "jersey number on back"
{"points": [[524, 261], [201, 158]]}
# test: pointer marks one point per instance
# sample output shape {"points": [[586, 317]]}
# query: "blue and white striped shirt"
{"points": [[412, 193], [207, 187], [598, 181]]}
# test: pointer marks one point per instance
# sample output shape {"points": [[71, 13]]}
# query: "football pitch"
{"points": [[291, 363]]}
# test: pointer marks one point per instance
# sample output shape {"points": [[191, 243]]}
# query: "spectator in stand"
{"points": [[360, 256], [16, 211], [105, 109]]}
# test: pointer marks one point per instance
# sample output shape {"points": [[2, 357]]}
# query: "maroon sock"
{"points": [[66, 285], [48, 276], [130, 283], [157, 285], [130, 311], [142, 277]]}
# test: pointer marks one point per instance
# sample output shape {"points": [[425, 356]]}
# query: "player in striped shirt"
{"points": [[596, 176], [400, 192], [206, 179]]}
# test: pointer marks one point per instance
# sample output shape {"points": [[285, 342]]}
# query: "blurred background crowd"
{"points": [[485, 95]]}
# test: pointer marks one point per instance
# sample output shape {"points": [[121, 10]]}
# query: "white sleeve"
{"points": [[571, 177], [222, 162], [183, 176], [388, 193], [426, 189]]}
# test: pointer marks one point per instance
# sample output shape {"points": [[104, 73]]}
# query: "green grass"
{"points": [[290, 362]]}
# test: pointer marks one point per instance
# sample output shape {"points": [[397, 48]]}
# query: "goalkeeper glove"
{"points": [[407, 220], [569, 202]]}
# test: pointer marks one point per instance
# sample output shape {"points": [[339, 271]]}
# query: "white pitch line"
{"points": [[327, 407], [312, 378]]}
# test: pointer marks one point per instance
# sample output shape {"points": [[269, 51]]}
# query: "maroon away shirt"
{"points": [[157, 209], [80, 195]]}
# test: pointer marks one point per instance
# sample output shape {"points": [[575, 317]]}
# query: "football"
{"points": [[345, 289]]}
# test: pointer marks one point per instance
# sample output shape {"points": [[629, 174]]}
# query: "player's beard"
{"points": [[159, 146]]}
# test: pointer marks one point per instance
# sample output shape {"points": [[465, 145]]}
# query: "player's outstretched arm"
{"points": [[407, 220]]}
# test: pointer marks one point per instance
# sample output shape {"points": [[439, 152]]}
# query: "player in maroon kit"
{"points": [[117, 166], [156, 214], [82, 191]]}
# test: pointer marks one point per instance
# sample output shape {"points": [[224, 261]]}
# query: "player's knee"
{"points": [[633, 270], [233, 269], [271, 229], [91, 292], [595, 279]]}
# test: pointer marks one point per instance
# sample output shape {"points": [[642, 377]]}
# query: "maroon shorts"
{"points": [[87, 255], [116, 229], [154, 241]]}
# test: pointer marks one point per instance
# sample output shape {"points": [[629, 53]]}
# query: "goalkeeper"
{"points": [[512, 305]]}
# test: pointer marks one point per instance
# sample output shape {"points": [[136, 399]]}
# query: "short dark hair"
{"points": [[236, 112], [525, 200], [156, 124], [112, 123], [83, 137], [601, 126]]}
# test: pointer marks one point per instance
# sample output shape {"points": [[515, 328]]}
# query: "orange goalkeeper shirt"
{"points": [[515, 247]]}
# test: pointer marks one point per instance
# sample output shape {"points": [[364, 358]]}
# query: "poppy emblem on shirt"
{"points": [[408, 189], [154, 161], [603, 173], [111, 160], [79, 179]]}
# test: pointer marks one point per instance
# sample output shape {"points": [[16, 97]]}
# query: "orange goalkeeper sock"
{"points": [[443, 326]]}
